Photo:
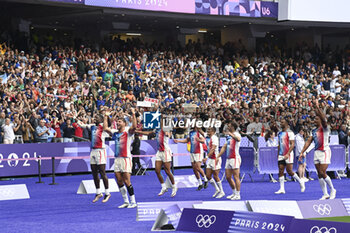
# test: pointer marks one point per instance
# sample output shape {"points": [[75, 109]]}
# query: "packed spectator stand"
{"points": [[47, 89]]}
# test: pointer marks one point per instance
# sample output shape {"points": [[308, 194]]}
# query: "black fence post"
{"points": [[53, 171], [39, 170]]}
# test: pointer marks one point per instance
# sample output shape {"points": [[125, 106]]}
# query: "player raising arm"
{"points": [[123, 161], [322, 155]]}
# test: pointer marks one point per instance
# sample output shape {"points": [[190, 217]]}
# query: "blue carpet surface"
{"points": [[59, 209]]}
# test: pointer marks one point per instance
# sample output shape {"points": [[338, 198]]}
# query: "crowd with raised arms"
{"points": [[46, 90]]}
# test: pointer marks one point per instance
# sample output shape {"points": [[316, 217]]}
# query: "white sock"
{"points": [[234, 191], [212, 181], [329, 182], [281, 180], [107, 192], [98, 191], [220, 186], [173, 186], [200, 181], [132, 199], [238, 193], [296, 177], [323, 186], [163, 185], [123, 191], [205, 179]]}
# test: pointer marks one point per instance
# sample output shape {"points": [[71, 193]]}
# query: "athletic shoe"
{"points": [[106, 198], [220, 195], [205, 184], [230, 196], [302, 186], [162, 191], [333, 193], [305, 179], [236, 197], [216, 193], [310, 178], [125, 205], [97, 197], [132, 205], [280, 192], [173, 193], [273, 181], [200, 187], [324, 197]]}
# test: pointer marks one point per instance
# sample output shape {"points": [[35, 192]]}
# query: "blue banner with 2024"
{"points": [[202, 220]]}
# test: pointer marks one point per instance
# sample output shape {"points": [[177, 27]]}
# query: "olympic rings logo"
{"points": [[316, 229], [6, 192], [205, 221], [322, 209]]}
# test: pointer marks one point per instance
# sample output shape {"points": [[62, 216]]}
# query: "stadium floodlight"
{"points": [[202, 30], [133, 34]]}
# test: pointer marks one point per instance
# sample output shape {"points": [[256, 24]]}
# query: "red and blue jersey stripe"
{"points": [[160, 136], [195, 144], [121, 144], [96, 137], [231, 147], [321, 137], [283, 139]]}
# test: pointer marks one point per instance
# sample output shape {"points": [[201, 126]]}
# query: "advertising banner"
{"points": [[27, 164], [324, 208], [202, 220], [245, 8], [317, 226]]}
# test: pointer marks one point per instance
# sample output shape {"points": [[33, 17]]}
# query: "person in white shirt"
{"points": [[286, 143], [299, 144], [214, 164], [123, 138], [9, 134], [233, 162], [271, 142]]}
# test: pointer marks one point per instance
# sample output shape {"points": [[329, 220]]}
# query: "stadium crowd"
{"points": [[46, 90]]}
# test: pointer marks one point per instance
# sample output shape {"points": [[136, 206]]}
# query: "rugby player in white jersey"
{"points": [[123, 161], [286, 142], [196, 153], [163, 157], [98, 156], [322, 155], [214, 163], [233, 162]]}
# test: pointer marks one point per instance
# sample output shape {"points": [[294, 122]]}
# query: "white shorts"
{"points": [[323, 157], [98, 156], [214, 164], [196, 157], [233, 163], [290, 160], [122, 164], [164, 156]]}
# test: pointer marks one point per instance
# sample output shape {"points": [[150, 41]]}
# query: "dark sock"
{"points": [[130, 190]]}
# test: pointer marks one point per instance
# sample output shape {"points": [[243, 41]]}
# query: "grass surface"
{"points": [[335, 219]]}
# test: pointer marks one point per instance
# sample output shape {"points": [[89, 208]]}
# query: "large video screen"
{"points": [[315, 10], [243, 8]]}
